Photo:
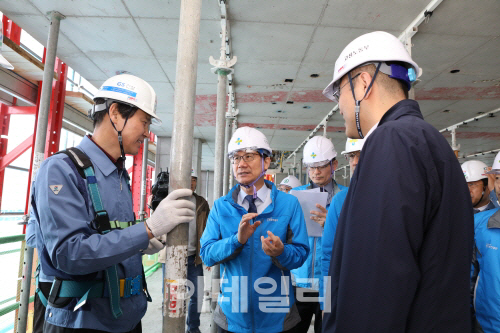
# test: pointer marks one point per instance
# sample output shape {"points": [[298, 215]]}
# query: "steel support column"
{"points": [[227, 137], [39, 150], [234, 126], [174, 301]]}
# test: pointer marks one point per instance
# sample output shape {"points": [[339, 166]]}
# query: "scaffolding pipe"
{"points": [[206, 190], [142, 211], [300, 171], [38, 156], [294, 166], [218, 173], [181, 154], [227, 137], [231, 177]]}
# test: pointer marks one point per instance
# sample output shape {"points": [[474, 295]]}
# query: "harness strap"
{"points": [[38, 291], [85, 290]]}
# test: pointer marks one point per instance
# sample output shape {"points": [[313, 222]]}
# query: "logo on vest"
{"points": [[272, 220], [56, 188]]}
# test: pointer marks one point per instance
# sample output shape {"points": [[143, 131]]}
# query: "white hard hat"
{"points": [[373, 47], [291, 181], [318, 150], [3, 62], [193, 173], [131, 90], [495, 168], [353, 145], [474, 170], [247, 138]]}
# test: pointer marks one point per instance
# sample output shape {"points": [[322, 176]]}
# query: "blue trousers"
{"points": [[196, 300]]}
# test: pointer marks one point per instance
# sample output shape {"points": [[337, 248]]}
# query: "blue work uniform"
{"points": [[332, 219], [487, 260], [240, 307], [403, 245], [309, 274], [70, 249]]}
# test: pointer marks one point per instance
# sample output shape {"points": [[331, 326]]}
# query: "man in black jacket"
{"points": [[403, 246]]}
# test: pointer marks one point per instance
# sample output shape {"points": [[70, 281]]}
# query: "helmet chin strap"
{"points": [[358, 102], [252, 184], [120, 138]]}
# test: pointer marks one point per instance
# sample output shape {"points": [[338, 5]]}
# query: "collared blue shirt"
{"points": [[70, 249], [263, 199]]}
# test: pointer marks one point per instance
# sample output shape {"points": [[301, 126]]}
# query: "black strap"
{"points": [[79, 159]]}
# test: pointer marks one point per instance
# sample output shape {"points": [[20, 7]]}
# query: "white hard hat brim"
{"points": [[493, 172]]}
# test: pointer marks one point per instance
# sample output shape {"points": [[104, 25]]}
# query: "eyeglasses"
{"points": [[249, 157], [336, 94], [323, 167], [351, 156]]}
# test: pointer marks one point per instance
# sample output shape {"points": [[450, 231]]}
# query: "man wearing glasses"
{"points": [[477, 180], [257, 234], [352, 152], [320, 158]]}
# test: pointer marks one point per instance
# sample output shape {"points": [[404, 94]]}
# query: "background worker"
{"points": [[351, 153], [320, 159], [86, 235], [288, 183], [485, 288], [257, 234], [402, 252], [494, 181], [477, 180]]}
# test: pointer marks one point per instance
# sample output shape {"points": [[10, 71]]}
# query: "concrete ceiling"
{"points": [[278, 40]]}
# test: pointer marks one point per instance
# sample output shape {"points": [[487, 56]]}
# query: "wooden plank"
{"points": [[79, 101], [24, 63]]}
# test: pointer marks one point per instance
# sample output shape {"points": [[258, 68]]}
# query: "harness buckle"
{"points": [[101, 222], [133, 286]]}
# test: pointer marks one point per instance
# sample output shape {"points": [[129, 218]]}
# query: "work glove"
{"points": [[171, 211], [156, 244]]}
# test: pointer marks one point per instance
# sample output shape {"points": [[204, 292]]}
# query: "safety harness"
{"points": [[112, 286]]}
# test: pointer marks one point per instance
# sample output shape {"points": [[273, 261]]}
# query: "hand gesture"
{"points": [[319, 217], [272, 245], [245, 229]]}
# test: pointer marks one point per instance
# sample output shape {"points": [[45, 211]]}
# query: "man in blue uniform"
{"points": [[402, 252], [486, 287], [352, 151], [85, 227], [320, 159], [257, 234]]}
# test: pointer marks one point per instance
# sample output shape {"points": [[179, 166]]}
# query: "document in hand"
{"points": [[308, 200]]}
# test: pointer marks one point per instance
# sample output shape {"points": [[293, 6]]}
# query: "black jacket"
{"points": [[403, 246]]}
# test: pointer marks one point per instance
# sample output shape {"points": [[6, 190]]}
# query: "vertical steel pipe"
{"points": [[142, 211], [227, 137], [218, 172], [38, 156], [231, 177], [219, 135], [181, 153]]}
